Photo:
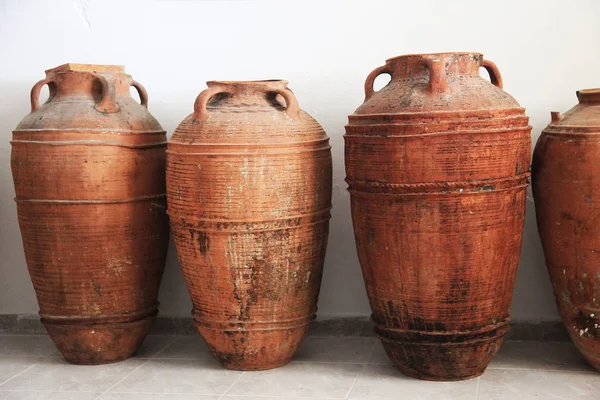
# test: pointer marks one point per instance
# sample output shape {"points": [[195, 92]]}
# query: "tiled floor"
{"points": [[180, 368]]}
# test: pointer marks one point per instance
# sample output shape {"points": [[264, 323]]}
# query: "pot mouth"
{"points": [[589, 95], [261, 82], [74, 67], [437, 55]]}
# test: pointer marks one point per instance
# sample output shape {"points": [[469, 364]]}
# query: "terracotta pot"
{"points": [[249, 198], [437, 164], [88, 167], [566, 187]]}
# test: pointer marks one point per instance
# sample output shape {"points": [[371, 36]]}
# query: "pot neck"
{"points": [[238, 90], [84, 80], [255, 94], [416, 65], [589, 96]]}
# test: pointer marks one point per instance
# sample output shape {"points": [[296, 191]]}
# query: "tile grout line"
{"points": [[122, 379], [477, 389], [172, 340], [568, 371], [231, 386], [364, 367], [18, 373]]}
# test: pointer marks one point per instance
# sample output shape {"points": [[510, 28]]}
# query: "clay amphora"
{"points": [[437, 164], [88, 168], [566, 187], [249, 197]]}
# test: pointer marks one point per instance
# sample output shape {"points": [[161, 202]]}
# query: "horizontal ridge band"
{"points": [[121, 132], [278, 150], [222, 225], [100, 319], [91, 201], [441, 338], [455, 187], [573, 131], [450, 115], [353, 134], [91, 143], [242, 326]]}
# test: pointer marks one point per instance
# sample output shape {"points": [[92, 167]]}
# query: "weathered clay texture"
{"points": [[249, 197], [437, 164], [566, 187], [88, 167]]}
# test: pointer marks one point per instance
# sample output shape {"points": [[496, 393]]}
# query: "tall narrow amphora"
{"points": [[437, 164], [88, 168], [249, 198], [566, 188]]}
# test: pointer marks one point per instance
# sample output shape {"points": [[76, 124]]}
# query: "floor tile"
{"points": [[379, 357], [299, 379], [29, 395], [26, 346], [55, 374], [187, 347], [539, 355], [158, 396], [154, 344], [336, 349], [275, 398], [520, 355], [179, 376], [497, 384], [10, 366], [385, 382]]}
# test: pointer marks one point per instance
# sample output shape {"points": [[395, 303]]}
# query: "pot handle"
{"points": [[369, 90], [494, 72], [108, 103], [292, 109], [438, 80], [35, 92], [556, 116], [141, 92], [200, 112]]}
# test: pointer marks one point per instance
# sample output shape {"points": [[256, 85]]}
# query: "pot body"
{"points": [[88, 169], [249, 198], [437, 164], [566, 188]]}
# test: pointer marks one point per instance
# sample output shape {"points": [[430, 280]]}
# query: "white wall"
{"points": [[545, 49]]}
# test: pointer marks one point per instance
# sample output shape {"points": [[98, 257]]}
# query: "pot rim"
{"points": [[93, 68], [248, 83], [442, 54], [591, 95]]}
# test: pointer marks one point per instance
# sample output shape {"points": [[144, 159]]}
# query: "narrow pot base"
{"points": [[411, 373], [98, 344], [450, 356], [258, 366], [253, 350], [593, 358], [450, 362]]}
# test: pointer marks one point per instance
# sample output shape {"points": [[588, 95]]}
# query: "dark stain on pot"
{"points": [[203, 241], [97, 288]]}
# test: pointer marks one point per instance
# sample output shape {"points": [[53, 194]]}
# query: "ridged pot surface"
{"points": [[566, 188], [88, 168], [437, 164], [249, 197]]}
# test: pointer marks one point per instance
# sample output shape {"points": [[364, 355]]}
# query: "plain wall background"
{"points": [[545, 49]]}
